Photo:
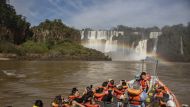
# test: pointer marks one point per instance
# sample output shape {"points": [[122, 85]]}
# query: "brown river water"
{"points": [[22, 82]]}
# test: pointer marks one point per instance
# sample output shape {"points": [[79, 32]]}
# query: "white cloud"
{"points": [[130, 12], [106, 13]]}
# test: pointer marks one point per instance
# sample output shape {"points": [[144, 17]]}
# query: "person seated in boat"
{"points": [[80, 100], [163, 98], [123, 84], [100, 91], [38, 103], [66, 102], [76, 104], [111, 84], [144, 82], [87, 94], [136, 96], [108, 98], [104, 87], [117, 91], [57, 102], [75, 95], [88, 97], [91, 103], [120, 89], [120, 94]]}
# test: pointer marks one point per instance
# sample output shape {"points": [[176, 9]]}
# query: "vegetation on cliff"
{"points": [[51, 39], [53, 31], [174, 43], [13, 28]]}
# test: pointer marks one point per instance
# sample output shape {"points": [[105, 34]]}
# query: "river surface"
{"points": [[22, 82]]}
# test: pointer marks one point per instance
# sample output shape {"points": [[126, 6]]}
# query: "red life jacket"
{"points": [[99, 96], [110, 85], [125, 88], [118, 93], [91, 105], [72, 97], [66, 105]]}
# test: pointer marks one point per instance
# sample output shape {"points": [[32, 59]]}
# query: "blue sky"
{"points": [[105, 14]]}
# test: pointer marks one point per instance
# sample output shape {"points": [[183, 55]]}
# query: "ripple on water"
{"points": [[13, 73]]}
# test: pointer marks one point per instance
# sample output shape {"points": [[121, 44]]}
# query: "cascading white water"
{"points": [[110, 45], [155, 46], [117, 50], [181, 45], [154, 36], [141, 50]]}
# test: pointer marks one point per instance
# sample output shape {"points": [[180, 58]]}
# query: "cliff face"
{"points": [[54, 31], [169, 48], [173, 44]]}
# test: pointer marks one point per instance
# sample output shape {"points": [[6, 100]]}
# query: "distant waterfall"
{"points": [[141, 49], [155, 37], [155, 46], [110, 45], [181, 45], [103, 41]]}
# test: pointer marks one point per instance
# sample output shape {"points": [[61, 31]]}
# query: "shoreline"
{"points": [[43, 57], [39, 57], [4, 59]]}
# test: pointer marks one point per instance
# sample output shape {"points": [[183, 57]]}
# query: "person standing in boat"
{"points": [[144, 82]]}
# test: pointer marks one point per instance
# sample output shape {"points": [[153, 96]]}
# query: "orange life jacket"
{"points": [[144, 84], [135, 100], [66, 105], [134, 92], [159, 95], [166, 89], [54, 105], [160, 92], [134, 96]]}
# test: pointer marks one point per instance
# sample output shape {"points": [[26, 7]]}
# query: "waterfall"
{"points": [[155, 46], [141, 50], [181, 45], [109, 45], [102, 40], [154, 35]]}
